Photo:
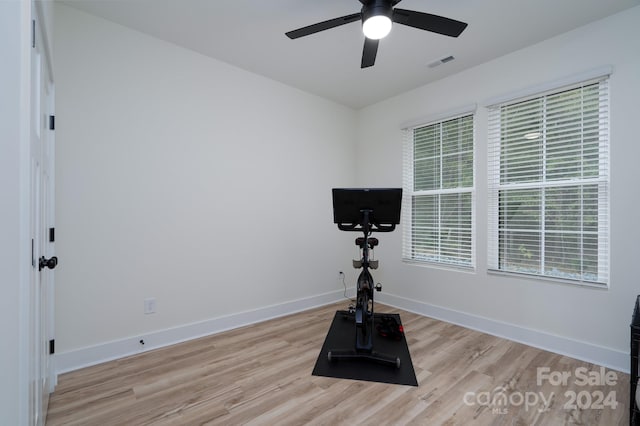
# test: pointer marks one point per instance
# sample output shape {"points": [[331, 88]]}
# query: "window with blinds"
{"points": [[549, 185], [438, 187]]}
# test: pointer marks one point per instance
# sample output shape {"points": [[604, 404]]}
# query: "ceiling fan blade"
{"points": [[429, 22], [369, 52], [321, 26]]}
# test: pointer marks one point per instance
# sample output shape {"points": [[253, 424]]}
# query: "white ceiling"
{"points": [[250, 35]]}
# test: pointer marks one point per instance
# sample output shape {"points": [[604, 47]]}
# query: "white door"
{"points": [[41, 289]]}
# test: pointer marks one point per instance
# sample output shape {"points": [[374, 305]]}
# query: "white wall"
{"points": [[599, 318], [185, 179], [15, 18], [10, 212], [182, 178]]}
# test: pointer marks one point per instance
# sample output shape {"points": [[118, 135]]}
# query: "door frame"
{"points": [[41, 378]]}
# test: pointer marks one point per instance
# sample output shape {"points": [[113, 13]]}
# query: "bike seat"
{"points": [[372, 242]]}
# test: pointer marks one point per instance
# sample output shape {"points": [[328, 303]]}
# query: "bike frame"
{"points": [[364, 296], [364, 310]]}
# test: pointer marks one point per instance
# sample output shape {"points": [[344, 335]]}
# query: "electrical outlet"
{"points": [[150, 306]]}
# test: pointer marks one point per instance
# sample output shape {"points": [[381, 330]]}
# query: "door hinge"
{"points": [[33, 33], [33, 254], [52, 346], [52, 235], [52, 122]]}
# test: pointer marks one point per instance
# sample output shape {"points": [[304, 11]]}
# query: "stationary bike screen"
{"points": [[381, 204]]}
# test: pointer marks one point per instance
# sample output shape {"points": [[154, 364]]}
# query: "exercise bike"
{"points": [[366, 211]]}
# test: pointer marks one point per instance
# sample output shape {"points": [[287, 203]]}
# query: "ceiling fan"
{"points": [[377, 17]]}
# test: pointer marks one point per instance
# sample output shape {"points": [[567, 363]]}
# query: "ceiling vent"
{"points": [[441, 61]]}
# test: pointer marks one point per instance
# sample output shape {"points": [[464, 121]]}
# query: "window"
{"points": [[438, 187], [549, 184]]}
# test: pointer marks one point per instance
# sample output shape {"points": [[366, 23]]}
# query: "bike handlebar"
{"points": [[375, 227]]}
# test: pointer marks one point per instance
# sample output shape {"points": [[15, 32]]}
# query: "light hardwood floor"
{"points": [[261, 374]]}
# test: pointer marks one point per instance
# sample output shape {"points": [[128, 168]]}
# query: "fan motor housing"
{"points": [[377, 8]]}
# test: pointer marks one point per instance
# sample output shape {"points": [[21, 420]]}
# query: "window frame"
{"points": [[408, 252], [602, 182]]}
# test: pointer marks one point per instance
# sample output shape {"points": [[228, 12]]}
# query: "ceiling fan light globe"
{"points": [[376, 27]]}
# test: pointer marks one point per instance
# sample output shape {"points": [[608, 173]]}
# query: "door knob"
{"points": [[48, 263]]}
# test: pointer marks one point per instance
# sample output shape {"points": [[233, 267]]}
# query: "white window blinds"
{"points": [[438, 188], [549, 184]]}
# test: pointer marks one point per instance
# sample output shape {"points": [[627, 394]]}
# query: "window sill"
{"points": [[553, 280], [442, 266]]}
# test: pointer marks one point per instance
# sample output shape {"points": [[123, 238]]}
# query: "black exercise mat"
{"points": [[341, 335]]}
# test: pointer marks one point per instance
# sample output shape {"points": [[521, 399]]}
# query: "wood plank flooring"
{"points": [[261, 375]]}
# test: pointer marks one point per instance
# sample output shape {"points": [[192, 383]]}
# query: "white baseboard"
{"points": [[606, 357], [88, 356], [85, 357]]}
